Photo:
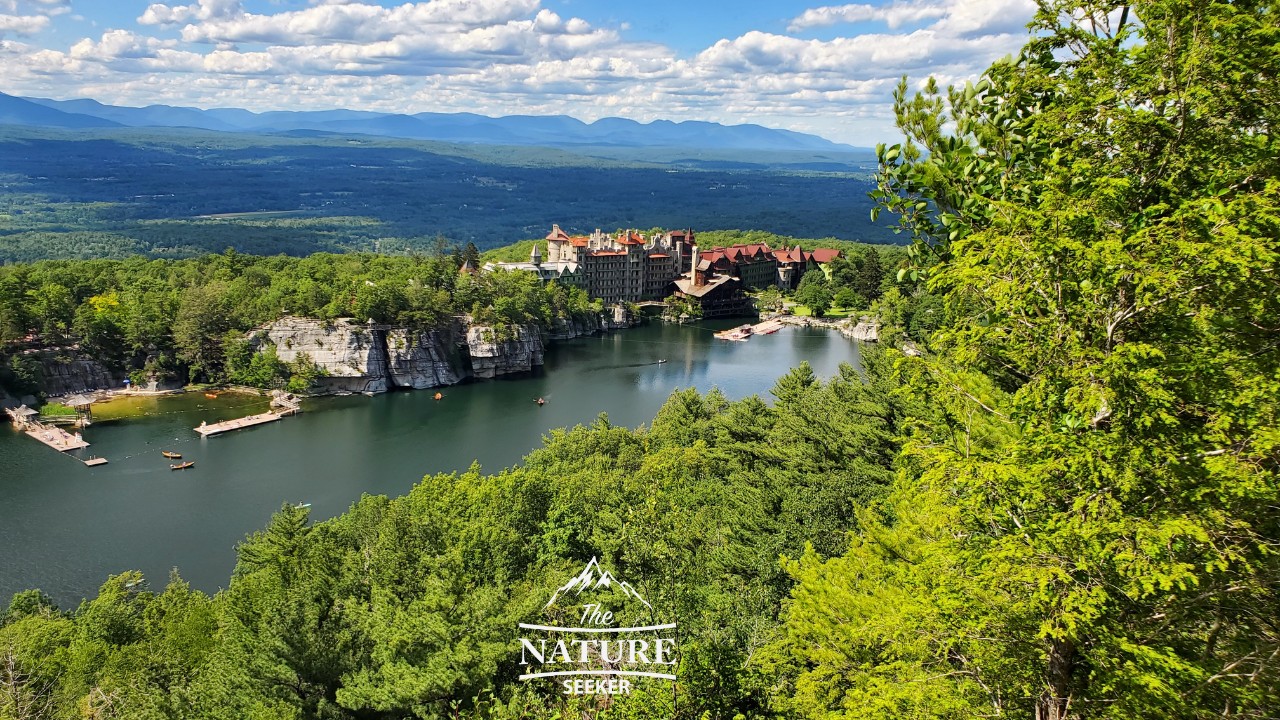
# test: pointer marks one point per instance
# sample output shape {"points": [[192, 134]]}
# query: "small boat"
{"points": [[171, 455], [540, 401], [302, 506], [660, 362], [439, 395], [183, 466], [211, 396]]}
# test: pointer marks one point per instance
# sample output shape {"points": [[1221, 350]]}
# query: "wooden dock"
{"points": [[240, 423], [95, 461], [767, 327], [55, 437]]}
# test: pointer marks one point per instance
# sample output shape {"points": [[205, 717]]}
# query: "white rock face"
{"points": [[423, 360], [353, 355], [867, 330], [492, 354], [370, 358]]}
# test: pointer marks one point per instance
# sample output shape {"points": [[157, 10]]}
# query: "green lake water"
{"points": [[64, 527]]}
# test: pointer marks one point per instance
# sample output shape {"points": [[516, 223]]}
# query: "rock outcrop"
{"points": [[370, 358], [503, 351], [66, 372], [352, 355], [867, 330], [423, 359], [612, 318]]}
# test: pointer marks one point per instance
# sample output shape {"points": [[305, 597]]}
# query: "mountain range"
{"points": [[527, 130]]}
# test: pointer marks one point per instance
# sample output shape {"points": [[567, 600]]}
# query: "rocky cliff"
{"points": [[353, 356], [612, 318], [370, 358], [503, 351], [66, 372], [867, 330]]}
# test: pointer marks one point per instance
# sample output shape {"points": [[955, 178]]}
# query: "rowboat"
{"points": [[211, 396], [183, 466], [171, 455]]}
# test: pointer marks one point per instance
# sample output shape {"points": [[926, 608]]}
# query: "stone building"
{"points": [[757, 266], [717, 294], [628, 267]]}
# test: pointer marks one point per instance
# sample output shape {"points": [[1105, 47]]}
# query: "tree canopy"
{"points": [[1088, 529]]}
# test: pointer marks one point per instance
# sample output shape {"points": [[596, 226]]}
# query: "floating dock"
{"points": [[55, 437], [241, 423], [767, 327]]}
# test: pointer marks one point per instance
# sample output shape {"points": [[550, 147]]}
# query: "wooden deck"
{"points": [[93, 462], [241, 423], [55, 437], [767, 327]]}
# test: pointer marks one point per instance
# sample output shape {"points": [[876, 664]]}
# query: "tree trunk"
{"points": [[1055, 701]]}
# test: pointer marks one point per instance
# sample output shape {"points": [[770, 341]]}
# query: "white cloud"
{"points": [[501, 57], [28, 17], [952, 16], [894, 14], [22, 24]]}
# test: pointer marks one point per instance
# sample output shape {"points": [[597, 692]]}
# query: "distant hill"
{"points": [[177, 192], [17, 111], [529, 130]]}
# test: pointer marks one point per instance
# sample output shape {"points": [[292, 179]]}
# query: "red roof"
{"points": [[737, 253], [658, 255], [557, 234], [795, 255], [578, 241], [825, 255]]}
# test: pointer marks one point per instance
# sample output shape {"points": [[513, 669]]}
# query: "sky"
{"points": [[829, 70]]}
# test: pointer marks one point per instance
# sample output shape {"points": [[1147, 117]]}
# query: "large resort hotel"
{"points": [[630, 267]]}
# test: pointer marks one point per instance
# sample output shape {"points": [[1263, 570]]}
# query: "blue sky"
{"points": [[827, 69]]}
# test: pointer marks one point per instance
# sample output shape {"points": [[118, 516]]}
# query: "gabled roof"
{"points": [[557, 234], [686, 286], [751, 252], [825, 255]]}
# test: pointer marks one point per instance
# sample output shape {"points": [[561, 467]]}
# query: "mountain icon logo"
{"points": [[593, 578]]}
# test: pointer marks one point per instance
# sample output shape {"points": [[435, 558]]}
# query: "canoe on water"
{"points": [[171, 455], [183, 466]]}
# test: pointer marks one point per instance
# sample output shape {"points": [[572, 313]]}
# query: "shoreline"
{"points": [[862, 329]]}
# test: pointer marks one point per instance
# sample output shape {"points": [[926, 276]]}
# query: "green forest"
{"points": [[187, 320], [1063, 503], [182, 193]]}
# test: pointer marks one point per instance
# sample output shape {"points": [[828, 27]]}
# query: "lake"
{"points": [[65, 527]]}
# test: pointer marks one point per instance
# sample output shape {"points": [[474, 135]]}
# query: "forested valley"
{"points": [[182, 193], [1061, 502]]}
